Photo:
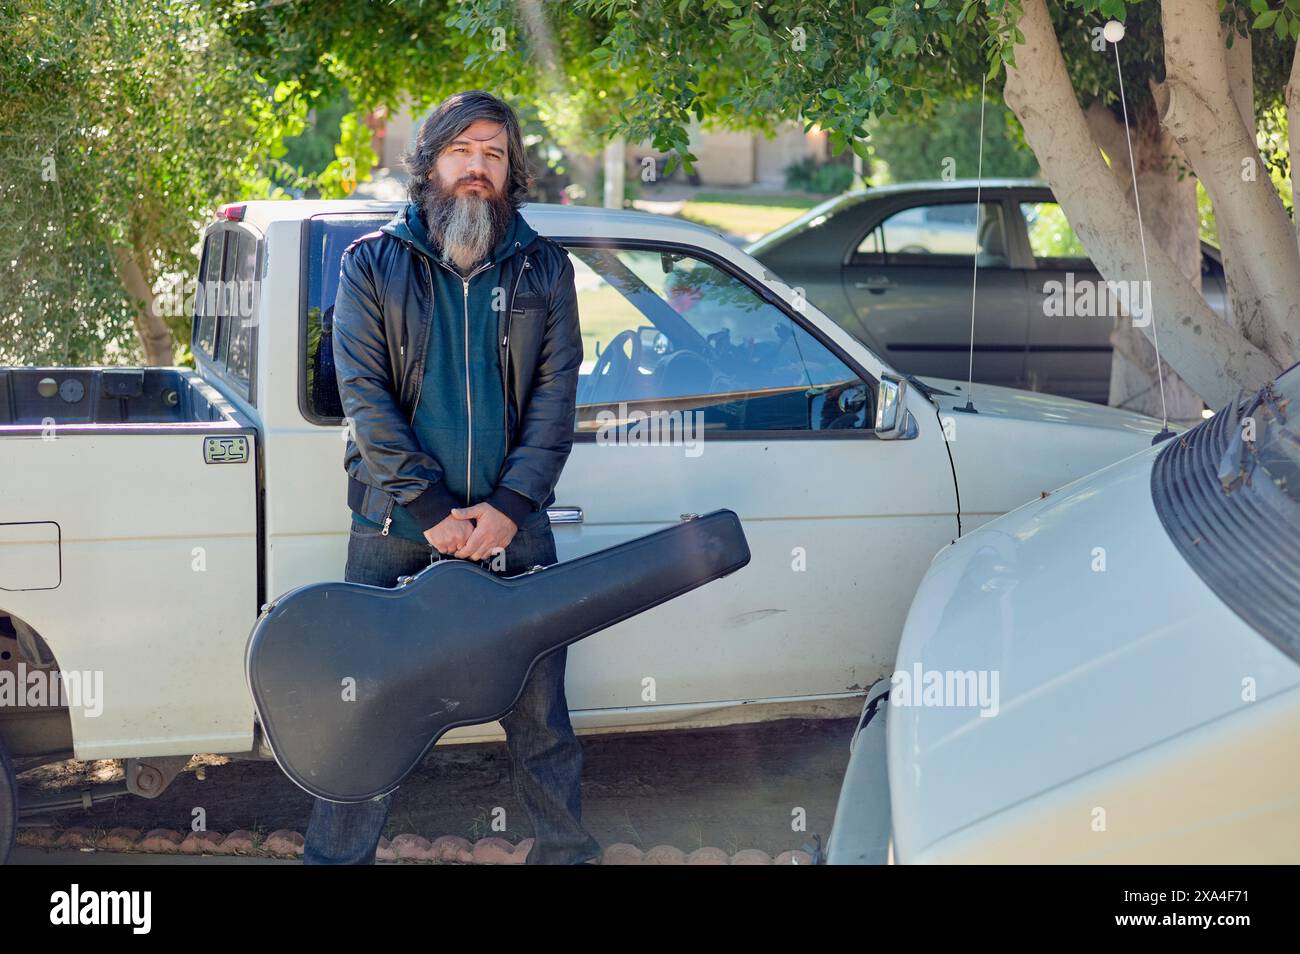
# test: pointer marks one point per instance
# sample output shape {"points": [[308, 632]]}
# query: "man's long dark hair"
{"points": [[447, 121]]}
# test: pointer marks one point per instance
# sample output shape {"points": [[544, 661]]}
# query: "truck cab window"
{"points": [[329, 236]]}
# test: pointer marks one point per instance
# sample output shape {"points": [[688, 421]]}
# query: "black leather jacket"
{"points": [[381, 322]]}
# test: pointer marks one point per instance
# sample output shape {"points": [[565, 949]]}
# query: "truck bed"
{"points": [[38, 397], [129, 542]]}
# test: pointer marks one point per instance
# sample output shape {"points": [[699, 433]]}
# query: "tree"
{"points": [[837, 66], [925, 148], [1203, 109], [123, 124], [1199, 80], [413, 53]]}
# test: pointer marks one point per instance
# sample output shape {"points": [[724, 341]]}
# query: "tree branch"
{"points": [[1202, 109], [1215, 360], [1108, 132], [155, 336]]}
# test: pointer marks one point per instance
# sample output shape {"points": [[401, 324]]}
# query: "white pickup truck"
{"points": [[146, 514]]}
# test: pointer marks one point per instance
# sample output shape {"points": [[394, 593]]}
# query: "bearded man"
{"points": [[457, 347]]}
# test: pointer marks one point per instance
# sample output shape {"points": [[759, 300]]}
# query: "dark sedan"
{"points": [[892, 266]]}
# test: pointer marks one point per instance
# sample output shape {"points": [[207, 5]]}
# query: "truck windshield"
{"points": [[328, 236]]}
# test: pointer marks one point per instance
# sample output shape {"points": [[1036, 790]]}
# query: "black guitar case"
{"points": [[353, 684]]}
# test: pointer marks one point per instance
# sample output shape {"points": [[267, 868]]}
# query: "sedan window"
{"points": [[1051, 237], [941, 234]]}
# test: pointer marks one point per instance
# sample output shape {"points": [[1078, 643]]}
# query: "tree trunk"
{"points": [[1201, 103], [155, 336], [1171, 220], [582, 172], [615, 168], [1209, 355]]}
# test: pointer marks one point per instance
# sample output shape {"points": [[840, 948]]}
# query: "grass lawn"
{"points": [[747, 216], [791, 200]]}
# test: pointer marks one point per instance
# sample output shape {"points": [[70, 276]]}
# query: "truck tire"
{"points": [[8, 805]]}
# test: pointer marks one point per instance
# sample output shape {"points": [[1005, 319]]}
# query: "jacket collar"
{"points": [[408, 226]]}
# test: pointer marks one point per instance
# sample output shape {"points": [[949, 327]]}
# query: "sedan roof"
{"points": [[839, 203]]}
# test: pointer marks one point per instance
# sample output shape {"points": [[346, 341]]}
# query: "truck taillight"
{"points": [[231, 212]]}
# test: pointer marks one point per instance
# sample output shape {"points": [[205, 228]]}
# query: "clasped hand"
{"points": [[472, 533]]}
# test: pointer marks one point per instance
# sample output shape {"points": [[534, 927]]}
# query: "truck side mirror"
{"points": [[892, 419]]}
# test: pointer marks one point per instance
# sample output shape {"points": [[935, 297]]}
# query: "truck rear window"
{"points": [[225, 305], [328, 236]]}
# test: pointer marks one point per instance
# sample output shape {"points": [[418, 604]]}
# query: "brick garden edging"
{"points": [[445, 849]]}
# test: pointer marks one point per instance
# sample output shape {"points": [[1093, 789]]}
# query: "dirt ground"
{"points": [[731, 788]]}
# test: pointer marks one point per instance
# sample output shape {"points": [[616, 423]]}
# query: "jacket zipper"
{"points": [[469, 401], [419, 382]]}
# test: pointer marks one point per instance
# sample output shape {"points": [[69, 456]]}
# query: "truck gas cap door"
{"points": [[29, 555]]}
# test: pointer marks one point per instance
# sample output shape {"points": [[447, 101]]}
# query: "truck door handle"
{"points": [[875, 283], [564, 514]]}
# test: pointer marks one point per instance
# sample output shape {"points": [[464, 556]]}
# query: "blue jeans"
{"points": [[545, 756]]}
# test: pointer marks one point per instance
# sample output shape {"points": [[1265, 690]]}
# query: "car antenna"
{"points": [[1114, 32], [975, 258]]}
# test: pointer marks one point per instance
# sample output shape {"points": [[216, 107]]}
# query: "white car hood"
{"points": [[1020, 445], [1012, 403], [1092, 664]]}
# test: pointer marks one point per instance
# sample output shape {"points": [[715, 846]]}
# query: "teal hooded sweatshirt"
{"points": [[448, 414]]}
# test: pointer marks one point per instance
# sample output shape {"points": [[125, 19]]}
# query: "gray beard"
{"points": [[464, 228]]}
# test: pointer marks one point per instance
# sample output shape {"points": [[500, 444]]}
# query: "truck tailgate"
{"points": [[132, 549]]}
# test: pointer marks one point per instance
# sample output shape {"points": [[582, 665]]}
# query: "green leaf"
{"points": [[1264, 20]]}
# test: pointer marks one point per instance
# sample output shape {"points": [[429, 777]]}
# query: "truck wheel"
{"points": [[8, 805]]}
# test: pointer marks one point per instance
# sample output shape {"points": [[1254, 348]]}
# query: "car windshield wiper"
{"points": [[927, 391]]}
